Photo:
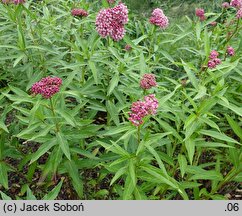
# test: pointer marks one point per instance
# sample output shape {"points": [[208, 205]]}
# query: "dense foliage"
{"points": [[142, 106]]}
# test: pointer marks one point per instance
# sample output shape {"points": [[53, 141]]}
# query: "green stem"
{"points": [[54, 115], [138, 132], [235, 31], [232, 173]]}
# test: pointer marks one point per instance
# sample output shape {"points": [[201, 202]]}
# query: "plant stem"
{"points": [[138, 132], [235, 31], [54, 115], [232, 173], [236, 28]]}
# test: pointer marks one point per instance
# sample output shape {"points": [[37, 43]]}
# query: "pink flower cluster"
{"points": [[230, 51], [239, 13], [13, 1], [140, 109], [127, 47], [18, 1], [214, 23], [158, 18], [79, 12], [148, 81], [236, 3], [200, 13], [225, 5], [111, 21], [47, 86], [214, 60]]}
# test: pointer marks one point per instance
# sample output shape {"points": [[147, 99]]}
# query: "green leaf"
{"points": [[206, 105], [29, 130], [167, 56], [3, 126], [75, 176], [114, 148], [191, 129], [3, 175], [4, 196], [138, 40], [128, 41], [42, 133], [166, 127], [207, 175], [182, 164], [155, 154], [118, 174], [132, 172], [84, 153], [69, 119], [42, 150], [153, 171], [206, 42], [116, 130], [113, 112], [237, 110], [219, 136], [128, 188], [94, 71], [64, 145], [212, 145], [30, 195], [142, 64], [202, 91], [105, 3], [19, 92], [190, 75], [113, 83], [54, 192], [209, 122], [116, 55], [235, 126], [190, 147], [198, 31]]}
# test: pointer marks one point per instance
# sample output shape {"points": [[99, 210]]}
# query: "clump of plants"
{"points": [[97, 103]]}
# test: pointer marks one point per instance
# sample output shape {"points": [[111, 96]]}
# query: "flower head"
{"points": [[140, 109], [214, 60], [200, 13], [213, 54], [111, 21], [148, 81], [230, 51], [127, 47], [225, 5], [151, 104], [47, 86], [18, 1], [211, 64], [239, 13], [214, 23], [79, 12], [6, 1], [138, 112], [236, 3], [158, 18], [13, 1]]}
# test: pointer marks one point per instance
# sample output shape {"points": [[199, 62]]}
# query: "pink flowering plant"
{"points": [[120, 100]]}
